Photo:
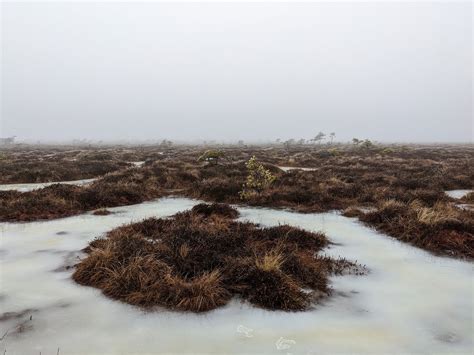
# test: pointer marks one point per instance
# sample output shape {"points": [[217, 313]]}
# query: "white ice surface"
{"points": [[137, 163], [411, 302], [288, 168], [457, 193], [35, 186]]}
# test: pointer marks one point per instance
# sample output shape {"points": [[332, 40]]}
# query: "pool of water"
{"points": [[35, 186], [457, 193], [410, 302], [288, 168]]}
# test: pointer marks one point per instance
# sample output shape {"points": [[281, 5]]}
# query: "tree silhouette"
{"points": [[319, 137]]}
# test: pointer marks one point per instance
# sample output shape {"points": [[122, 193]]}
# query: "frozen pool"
{"points": [[411, 302], [457, 193], [137, 163], [288, 168], [35, 186]]}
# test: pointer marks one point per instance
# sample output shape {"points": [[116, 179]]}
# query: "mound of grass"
{"points": [[469, 198], [441, 229], [198, 260], [101, 212], [219, 209], [60, 200], [59, 169]]}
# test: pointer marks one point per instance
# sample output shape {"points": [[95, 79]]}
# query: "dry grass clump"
{"points": [[469, 197], [101, 212], [61, 200], [219, 209], [121, 188], [442, 229], [51, 202], [198, 260], [56, 166], [352, 212], [439, 214]]}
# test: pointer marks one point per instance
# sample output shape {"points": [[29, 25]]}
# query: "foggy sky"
{"points": [[227, 71]]}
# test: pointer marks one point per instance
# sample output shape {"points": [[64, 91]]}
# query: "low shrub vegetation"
{"points": [[258, 179], [198, 260], [403, 186]]}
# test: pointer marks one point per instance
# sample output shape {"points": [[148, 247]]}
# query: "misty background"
{"points": [[228, 71]]}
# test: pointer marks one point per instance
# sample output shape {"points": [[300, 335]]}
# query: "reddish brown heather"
{"points": [[345, 178], [442, 229], [198, 260]]}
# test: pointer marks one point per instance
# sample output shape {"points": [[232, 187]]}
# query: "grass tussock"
{"points": [[198, 260], [442, 228], [101, 212], [469, 198], [48, 166]]}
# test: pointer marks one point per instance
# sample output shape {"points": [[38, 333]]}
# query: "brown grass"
{"points": [[388, 180], [47, 165], [101, 212], [442, 229], [198, 260]]}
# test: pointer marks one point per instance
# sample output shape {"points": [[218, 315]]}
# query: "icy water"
{"points": [[137, 163], [411, 302], [35, 186], [457, 193], [288, 168]]}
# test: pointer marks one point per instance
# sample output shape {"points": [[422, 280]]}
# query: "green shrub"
{"points": [[258, 179], [334, 152], [386, 151]]}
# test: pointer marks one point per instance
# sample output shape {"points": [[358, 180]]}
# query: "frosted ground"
{"points": [[410, 302], [40, 185], [457, 193]]}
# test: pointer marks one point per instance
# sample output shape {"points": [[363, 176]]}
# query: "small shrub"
{"points": [[334, 152], [386, 151], [367, 144], [259, 178]]}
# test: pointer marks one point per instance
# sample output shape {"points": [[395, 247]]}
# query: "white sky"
{"points": [[254, 71]]}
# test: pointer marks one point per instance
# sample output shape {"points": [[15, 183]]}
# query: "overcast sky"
{"points": [[227, 71]]}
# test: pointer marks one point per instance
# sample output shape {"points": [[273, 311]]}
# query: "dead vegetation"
{"points": [[101, 212], [60, 200], [198, 260], [441, 228], [50, 165], [469, 198], [356, 181]]}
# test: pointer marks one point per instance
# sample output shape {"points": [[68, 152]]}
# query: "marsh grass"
{"points": [[442, 228], [406, 186], [198, 260], [101, 212]]}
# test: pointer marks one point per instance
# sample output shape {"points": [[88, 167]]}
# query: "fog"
{"points": [[228, 71]]}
